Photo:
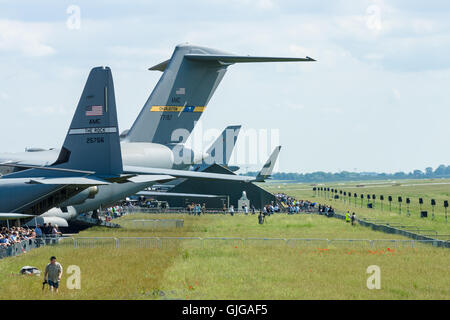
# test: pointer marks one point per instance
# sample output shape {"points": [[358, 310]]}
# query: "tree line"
{"points": [[441, 171]]}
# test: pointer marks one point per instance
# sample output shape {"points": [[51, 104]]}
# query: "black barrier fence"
{"points": [[386, 228], [371, 202], [26, 245]]}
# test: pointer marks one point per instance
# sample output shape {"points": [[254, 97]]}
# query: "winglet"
{"points": [[267, 169]]}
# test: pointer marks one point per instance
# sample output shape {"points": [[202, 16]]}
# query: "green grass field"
{"points": [[438, 189], [230, 271]]}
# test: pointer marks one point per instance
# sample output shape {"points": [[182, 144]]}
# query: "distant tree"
{"points": [[321, 176], [417, 173], [440, 171]]}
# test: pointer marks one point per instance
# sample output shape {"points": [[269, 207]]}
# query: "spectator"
{"points": [[38, 231], [4, 242], [15, 235], [55, 231], [53, 273]]}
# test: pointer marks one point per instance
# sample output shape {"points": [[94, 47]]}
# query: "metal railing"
{"points": [[27, 245], [215, 242], [157, 223], [236, 242]]}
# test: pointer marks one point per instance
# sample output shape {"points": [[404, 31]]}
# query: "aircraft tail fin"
{"points": [[267, 169], [190, 78], [92, 142], [220, 151]]}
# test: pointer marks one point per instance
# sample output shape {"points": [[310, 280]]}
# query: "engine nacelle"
{"points": [[143, 154], [184, 157], [40, 220], [89, 193]]}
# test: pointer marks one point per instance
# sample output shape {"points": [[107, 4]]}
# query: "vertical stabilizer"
{"points": [[92, 142]]}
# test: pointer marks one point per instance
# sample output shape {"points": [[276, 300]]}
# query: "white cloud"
{"points": [[3, 95], [26, 38], [46, 111]]}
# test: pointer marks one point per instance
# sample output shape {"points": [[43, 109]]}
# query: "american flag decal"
{"points": [[94, 111]]}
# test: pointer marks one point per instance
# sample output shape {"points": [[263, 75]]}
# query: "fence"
{"points": [[214, 242], [131, 210], [157, 223], [236, 242], [26, 245]]}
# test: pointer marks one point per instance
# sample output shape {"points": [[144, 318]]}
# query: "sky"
{"points": [[377, 98]]}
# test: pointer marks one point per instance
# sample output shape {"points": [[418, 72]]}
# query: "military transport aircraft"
{"points": [[90, 156], [189, 79], [157, 137]]}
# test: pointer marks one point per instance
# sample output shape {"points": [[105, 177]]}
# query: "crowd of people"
{"points": [[47, 230], [114, 212], [196, 209], [327, 210], [293, 205], [10, 236]]}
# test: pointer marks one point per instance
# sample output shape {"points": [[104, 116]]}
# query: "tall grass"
{"points": [[229, 271]]}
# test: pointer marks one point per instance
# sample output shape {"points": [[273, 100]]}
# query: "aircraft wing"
{"points": [[176, 194], [187, 174], [7, 216], [69, 181], [150, 177], [26, 166]]}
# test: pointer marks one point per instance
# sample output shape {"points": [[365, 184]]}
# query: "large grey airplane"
{"points": [[90, 156], [89, 133], [189, 79], [263, 175], [158, 135]]}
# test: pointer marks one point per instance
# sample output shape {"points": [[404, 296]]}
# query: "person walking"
{"points": [[347, 216], [53, 273], [353, 218]]}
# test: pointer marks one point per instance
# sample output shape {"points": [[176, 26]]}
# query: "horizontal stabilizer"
{"points": [[187, 174], [150, 177], [7, 216], [267, 169], [242, 59], [25, 166], [176, 194], [190, 78], [69, 181], [160, 66]]}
